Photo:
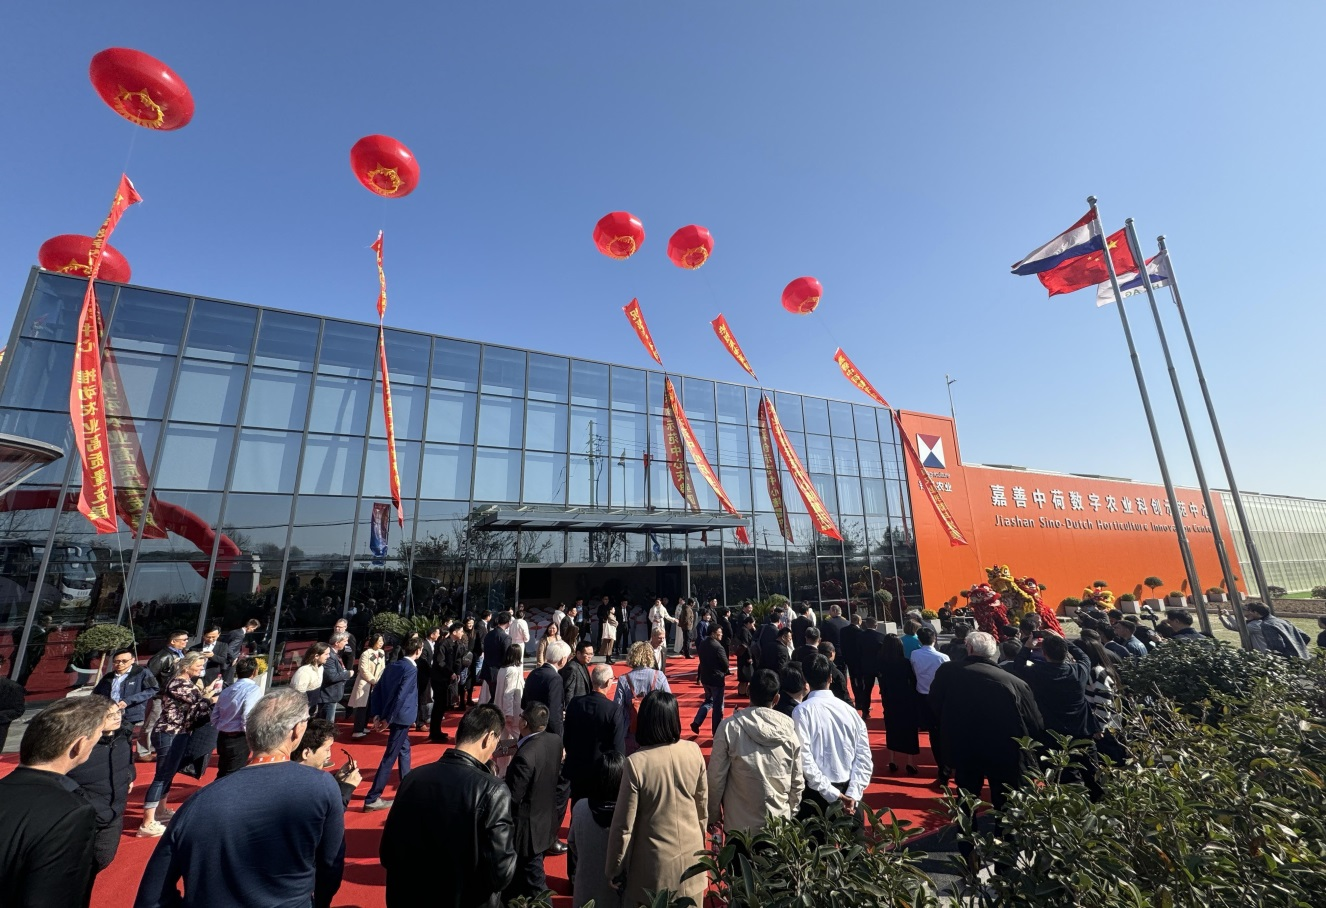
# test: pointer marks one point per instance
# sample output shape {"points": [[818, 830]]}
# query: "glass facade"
{"points": [[1290, 536], [262, 450]]}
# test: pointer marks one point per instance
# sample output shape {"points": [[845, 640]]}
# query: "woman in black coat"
{"points": [[902, 705], [105, 780]]}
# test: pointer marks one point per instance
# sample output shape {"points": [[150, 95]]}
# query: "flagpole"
{"points": [[1239, 621], [1258, 571], [1189, 567]]}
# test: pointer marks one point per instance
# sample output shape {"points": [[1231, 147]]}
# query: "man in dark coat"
{"points": [[575, 676], [832, 629], [450, 839], [47, 829], [495, 644], [594, 726], [869, 656], [234, 641], [425, 666], [534, 777], [1057, 673], [805, 654], [104, 780], [448, 663], [544, 685], [800, 623], [128, 686], [218, 655], [848, 640], [712, 675]]}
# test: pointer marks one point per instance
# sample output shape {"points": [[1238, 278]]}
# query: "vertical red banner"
{"points": [[819, 514], [681, 477], [697, 453], [773, 476], [87, 401], [388, 418], [637, 319], [730, 344], [853, 374]]}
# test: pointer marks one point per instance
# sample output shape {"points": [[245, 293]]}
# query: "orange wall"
{"points": [[1065, 549]]}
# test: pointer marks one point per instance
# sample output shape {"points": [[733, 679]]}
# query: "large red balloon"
{"points": [[619, 234], [141, 88], [802, 295], [385, 166], [68, 254], [690, 247]]}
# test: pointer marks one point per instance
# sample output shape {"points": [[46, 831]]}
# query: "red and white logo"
{"points": [[931, 451]]}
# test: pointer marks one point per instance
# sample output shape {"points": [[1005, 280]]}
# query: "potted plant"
{"points": [[883, 599], [1069, 606], [1215, 594], [932, 616], [1128, 604], [1177, 599], [98, 640], [1153, 584]]}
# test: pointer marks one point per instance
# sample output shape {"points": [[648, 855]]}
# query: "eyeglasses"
{"points": [[123, 662]]}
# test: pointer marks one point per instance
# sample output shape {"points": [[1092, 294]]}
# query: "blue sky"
{"points": [[905, 154]]}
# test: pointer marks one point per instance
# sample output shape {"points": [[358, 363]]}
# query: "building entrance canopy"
{"points": [[494, 517]]}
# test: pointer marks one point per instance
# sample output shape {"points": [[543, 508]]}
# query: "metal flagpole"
{"points": [[1258, 571], [1189, 566], [1239, 621]]}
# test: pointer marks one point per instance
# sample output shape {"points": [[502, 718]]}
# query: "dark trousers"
{"points": [[398, 748], [529, 880], [812, 799], [232, 752], [201, 744], [562, 801], [713, 697], [686, 642], [441, 702], [361, 718], [972, 778], [106, 843], [863, 689], [930, 722]]}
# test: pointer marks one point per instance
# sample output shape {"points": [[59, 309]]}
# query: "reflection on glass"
{"points": [[546, 426], [195, 457], [447, 471], [503, 371], [377, 478], [545, 478], [145, 380], [864, 420], [331, 465], [589, 384], [266, 461], [39, 376], [548, 376], [628, 389], [56, 302], [497, 475], [407, 411], [340, 405], [208, 392], [220, 331], [407, 357], [451, 416], [277, 399], [588, 481], [348, 349], [287, 341], [148, 321], [731, 403], [455, 365], [501, 421]]}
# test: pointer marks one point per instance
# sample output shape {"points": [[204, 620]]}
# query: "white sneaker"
{"points": [[360, 734], [164, 815], [150, 830]]}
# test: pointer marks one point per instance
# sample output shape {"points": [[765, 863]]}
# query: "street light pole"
{"points": [[952, 411]]}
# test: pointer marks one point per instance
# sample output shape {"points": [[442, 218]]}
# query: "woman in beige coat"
{"points": [[662, 805], [371, 664]]}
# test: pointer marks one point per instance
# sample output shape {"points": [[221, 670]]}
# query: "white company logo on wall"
{"points": [[931, 450]]}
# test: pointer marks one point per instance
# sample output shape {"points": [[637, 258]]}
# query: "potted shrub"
{"points": [[1153, 584], [98, 640], [932, 616], [1215, 594], [883, 599], [1069, 605], [1176, 599], [1128, 604]]}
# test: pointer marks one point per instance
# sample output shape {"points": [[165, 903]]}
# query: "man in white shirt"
{"points": [[519, 629], [926, 660], [230, 717], [835, 747]]}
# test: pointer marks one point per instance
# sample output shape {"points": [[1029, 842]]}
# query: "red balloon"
{"points": [[619, 234], [690, 247], [68, 254], [385, 166], [802, 295], [141, 88]]}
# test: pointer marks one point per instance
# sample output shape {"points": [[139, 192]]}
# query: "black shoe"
{"points": [[911, 770], [441, 738], [557, 848], [695, 729], [893, 768]]}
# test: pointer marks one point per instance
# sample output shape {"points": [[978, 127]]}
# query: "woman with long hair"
{"points": [[185, 705], [902, 706], [633, 686], [588, 835], [510, 691], [371, 663], [662, 806], [308, 677], [550, 633], [608, 634]]}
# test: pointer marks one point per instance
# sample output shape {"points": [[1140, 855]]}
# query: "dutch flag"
{"points": [[1082, 238]]}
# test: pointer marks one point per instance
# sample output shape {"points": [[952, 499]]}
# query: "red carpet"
{"points": [[912, 799]]}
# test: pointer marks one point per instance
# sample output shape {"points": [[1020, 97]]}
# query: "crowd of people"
{"points": [[569, 739]]}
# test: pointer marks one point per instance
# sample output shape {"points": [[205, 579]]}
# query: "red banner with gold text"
{"points": [[388, 417], [729, 341], [819, 514], [681, 477], [87, 402], [773, 476], [853, 374], [697, 453], [637, 320], [128, 466]]}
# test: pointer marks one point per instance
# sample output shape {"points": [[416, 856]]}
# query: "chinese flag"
{"points": [[1089, 270]]}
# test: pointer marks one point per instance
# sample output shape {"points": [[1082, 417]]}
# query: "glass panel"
{"points": [[545, 426], [589, 430], [503, 371], [849, 495], [322, 530], [147, 321], [731, 403], [447, 471], [377, 475], [655, 398], [257, 527], [628, 483], [220, 331], [789, 410], [707, 435], [844, 455], [277, 400], [455, 365], [589, 384], [331, 465], [39, 376], [451, 416], [872, 465], [266, 461], [501, 421], [771, 558], [545, 478], [287, 340], [736, 482], [193, 515], [875, 502], [760, 487], [817, 414], [497, 475], [49, 427], [888, 430], [630, 433], [840, 419], [819, 454], [208, 392], [146, 382], [864, 421], [57, 300], [407, 357], [348, 349], [407, 410], [195, 457], [628, 389], [825, 485], [588, 481], [697, 395], [548, 376], [340, 405], [440, 544]]}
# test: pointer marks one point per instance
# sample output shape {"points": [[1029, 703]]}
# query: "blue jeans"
{"points": [[713, 696], [170, 749], [398, 748]]}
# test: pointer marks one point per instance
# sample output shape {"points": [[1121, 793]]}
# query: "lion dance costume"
{"points": [[1100, 595], [986, 607], [1031, 588]]}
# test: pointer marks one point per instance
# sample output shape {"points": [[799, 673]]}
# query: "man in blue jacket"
{"points": [[395, 700], [129, 686]]}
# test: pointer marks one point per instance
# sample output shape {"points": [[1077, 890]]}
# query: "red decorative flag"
{"points": [[637, 320], [742, 536], [854, 375], [128, 466], [681, 477], [87, 402], [730, 344], [697, 453], [1089, 270], [773, 476], [388, 418], [819, 514]]}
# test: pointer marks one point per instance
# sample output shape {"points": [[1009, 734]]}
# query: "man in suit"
{"points": [[218, 655], [806, 653], [448, 663], [800, 623], [533, 778], [712, 675], [594, 726], [234, 641], [849, 641], [544, 685], [832, 629], [425, 666], [575, 677], [495, 644], [869, 661], [47, 829], [395, 700]]}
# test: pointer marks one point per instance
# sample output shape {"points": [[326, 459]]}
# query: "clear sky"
{"points": [[905, 154]]}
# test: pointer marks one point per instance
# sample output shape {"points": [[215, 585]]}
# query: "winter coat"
{"points": [[754, 770], [371, 664]]}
